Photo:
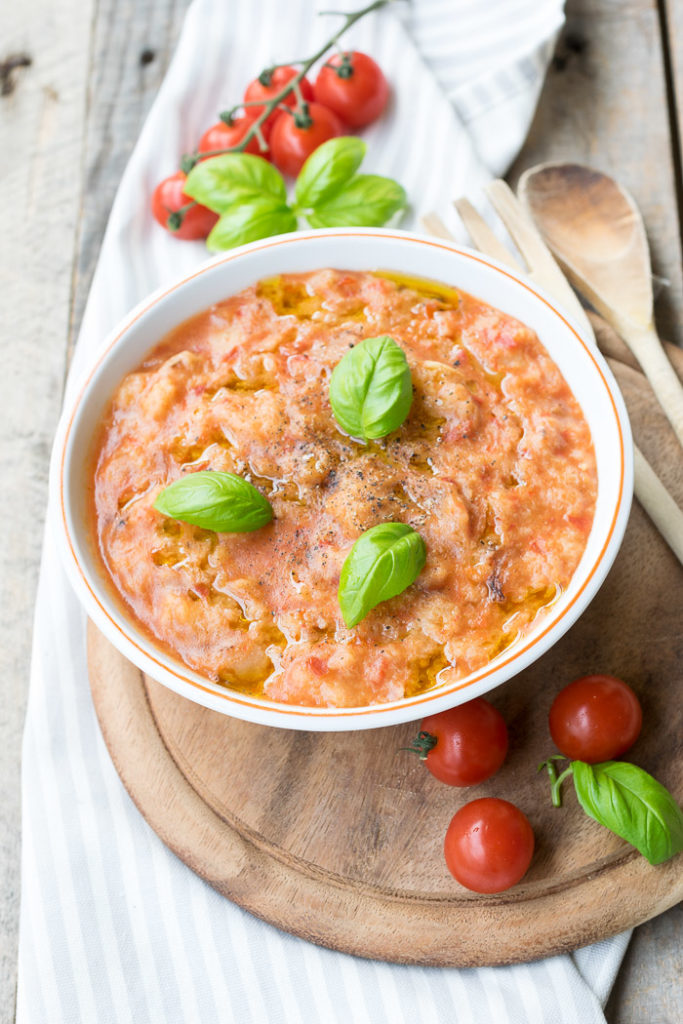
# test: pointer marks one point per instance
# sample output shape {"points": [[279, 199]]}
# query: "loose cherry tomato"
{"points": [[271, 85], [169, 197], [223, 136], [295, 136], [595, 718], [489, 845], [354, 87], [465, 745]]}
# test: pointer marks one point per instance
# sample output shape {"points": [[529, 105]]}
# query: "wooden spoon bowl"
{"points": [[595, 230]]}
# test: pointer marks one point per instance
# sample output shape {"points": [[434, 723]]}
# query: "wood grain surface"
{"points": [[68, 121], [338, 837]]}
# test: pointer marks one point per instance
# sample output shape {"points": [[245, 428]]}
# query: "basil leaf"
{"points": [[247, 221], [365, 201], [327, 169], [371, 389], [215, 501], [382, 563], [222, 181], [629, 802]]}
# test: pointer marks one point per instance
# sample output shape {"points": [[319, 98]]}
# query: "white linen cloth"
{"points": [[113, 927]]}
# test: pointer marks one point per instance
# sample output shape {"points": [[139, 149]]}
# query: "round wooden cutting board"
{"points": [[338, 837]]}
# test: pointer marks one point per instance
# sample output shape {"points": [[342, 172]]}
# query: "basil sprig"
{"points": [[250, 195], [633, 805], [371, 388], [215, 501], [382, 563], [626, 800]]}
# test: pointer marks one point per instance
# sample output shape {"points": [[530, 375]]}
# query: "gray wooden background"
{"points": [[76, 80]]}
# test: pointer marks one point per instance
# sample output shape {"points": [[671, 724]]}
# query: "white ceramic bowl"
{"points": [[355, 249]]}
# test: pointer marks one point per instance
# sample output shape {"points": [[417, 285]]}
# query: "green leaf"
{"points": [[327, 169], [633, 805], [365, 201], [222, 181], [215, 501], [371, 388], [247, 221], [383, 562]]}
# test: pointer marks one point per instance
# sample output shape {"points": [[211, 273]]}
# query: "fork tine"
{"points": [[542, 265], [433, 225], [482, 236]]}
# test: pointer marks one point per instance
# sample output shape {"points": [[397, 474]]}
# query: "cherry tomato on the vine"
{"points": [[465, 745], [295, 136], [489, 845], [354, 87], [167, 200], [224, 136], [273, 84], [595, 718]]}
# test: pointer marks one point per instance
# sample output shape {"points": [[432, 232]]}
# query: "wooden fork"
{"points": [[542, 268]]}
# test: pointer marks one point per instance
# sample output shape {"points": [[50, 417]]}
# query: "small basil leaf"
{"points": [[327, 169], [629, 802], [371, 388], [382, 563], [222, 181], [247, 221], [215, 501], [365, 201]]}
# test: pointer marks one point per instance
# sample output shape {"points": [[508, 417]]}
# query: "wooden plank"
{"points": [[671, 13], [605, 104], [68, 123], [648, 987], [132, 46], [41, 141]]}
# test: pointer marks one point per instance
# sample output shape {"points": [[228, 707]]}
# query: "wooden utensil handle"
{"points": [[658, 503], [647, 348]]}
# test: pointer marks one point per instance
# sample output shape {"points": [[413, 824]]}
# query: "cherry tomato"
{"points": [[169, 197], [291, 145], [595, 718], [489, 845], [279, 78], [465, 745], [354, 87], [223, 136]]}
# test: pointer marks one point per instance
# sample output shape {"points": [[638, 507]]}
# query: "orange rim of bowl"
{"points": [[233, 696]]}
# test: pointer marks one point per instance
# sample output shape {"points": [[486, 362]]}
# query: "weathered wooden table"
{"points": [[76, 80]]}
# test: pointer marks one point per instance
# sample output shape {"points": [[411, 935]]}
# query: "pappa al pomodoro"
{"points": [[494, 467]]}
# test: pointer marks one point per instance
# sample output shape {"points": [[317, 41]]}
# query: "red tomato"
{"points": [[291, 146], [489, 845], [595, 718], [279, 78], [169, 197], [465, 745], [354, 87], [223, 136]]}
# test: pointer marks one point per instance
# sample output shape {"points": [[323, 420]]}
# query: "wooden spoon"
{"points": [[596, 232]]}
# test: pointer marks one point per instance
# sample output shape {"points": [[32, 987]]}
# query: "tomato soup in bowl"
{"points": [[512, 464]]}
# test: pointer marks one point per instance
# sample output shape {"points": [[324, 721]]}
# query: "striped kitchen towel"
{"points": [[114, 929]]}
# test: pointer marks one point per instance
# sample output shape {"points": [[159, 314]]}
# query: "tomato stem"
{"points": [[422, 744], [555, 779], [190, 159], [175, 218], [345, 68], [302, 117]]}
